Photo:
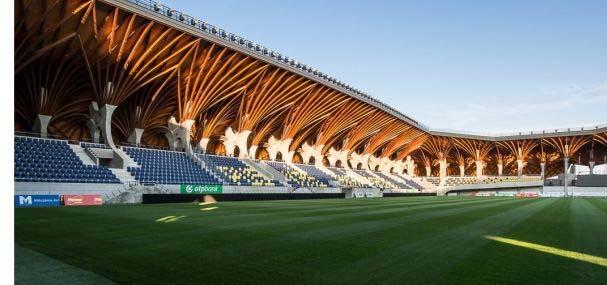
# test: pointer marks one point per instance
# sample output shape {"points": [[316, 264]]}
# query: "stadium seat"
{"points": [[167, 167], [313, 171], [347, 180], [297, 178], [48, 160], [235, 172]]}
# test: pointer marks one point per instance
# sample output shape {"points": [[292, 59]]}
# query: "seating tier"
{"points": [[167, 167], [46, 160], [235, 172], [296, 178]]}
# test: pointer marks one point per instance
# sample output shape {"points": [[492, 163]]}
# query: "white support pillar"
{"points": [[332, 158], [135, 137], [308, 151], [543, 170], [233, 139], [42, 121], [428, 171], [442, 173], [591, 165], [500, 168], [41, 125], [385, 164], [276, 146], [253, 151], [479, 168], [335, 155], [179, 134], [399, 166], [410, 166], [203, 144], [94, 131], [566, 174], [362, 159], [519, 168], [100, 123], [462, 170], [375, 162], [542, 174]]}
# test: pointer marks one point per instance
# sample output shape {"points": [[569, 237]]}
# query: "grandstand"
{"points": [[330, 135]]}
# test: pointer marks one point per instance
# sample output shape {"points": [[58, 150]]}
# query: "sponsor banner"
{"points": [[37, 200], [200, 189], [554, 195], [483, 194], [82, 200], [527, 195]]}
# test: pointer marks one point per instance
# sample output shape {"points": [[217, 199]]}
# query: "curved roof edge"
{"points": [[176, 19], [589, 130]]}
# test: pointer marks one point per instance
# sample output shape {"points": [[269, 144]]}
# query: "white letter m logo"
{"points": [[25, 200]]}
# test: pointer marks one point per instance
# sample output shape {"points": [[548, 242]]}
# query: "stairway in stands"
{"points": [[123, 175], [79, 151]]}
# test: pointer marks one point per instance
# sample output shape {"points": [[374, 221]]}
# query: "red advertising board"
{"points": [[82, 200]]}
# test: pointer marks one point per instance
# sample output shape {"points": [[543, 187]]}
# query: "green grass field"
{"points": [[426, 240]]}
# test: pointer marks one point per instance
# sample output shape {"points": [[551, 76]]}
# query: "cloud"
{"points": [[551, 108]]}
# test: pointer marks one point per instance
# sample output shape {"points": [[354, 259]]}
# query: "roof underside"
{"points": [[154, 67]]}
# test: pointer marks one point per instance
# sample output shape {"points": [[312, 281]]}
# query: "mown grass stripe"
{"points": [[396, 240], [444, 243]]}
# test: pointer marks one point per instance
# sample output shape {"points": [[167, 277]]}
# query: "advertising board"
{"points": [[527, 195], [82, 200], [200, 189], [37, 201]]}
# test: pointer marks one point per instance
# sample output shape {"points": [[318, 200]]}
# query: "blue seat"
{"points": [[166, 167], [46, 160]]}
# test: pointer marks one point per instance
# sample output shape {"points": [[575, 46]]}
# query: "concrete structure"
{"points": [[41, 125], [100, 122], [135, 137]]}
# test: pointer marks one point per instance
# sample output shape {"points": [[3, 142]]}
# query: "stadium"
{"points": [[153, 147]]}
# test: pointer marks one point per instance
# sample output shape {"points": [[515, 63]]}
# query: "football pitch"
{"points": [[420, 240]]}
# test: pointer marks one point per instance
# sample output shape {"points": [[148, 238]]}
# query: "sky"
{"points": [[476, 66]]}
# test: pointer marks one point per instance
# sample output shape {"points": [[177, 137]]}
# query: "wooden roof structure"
{"points": [[70, 53]]}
